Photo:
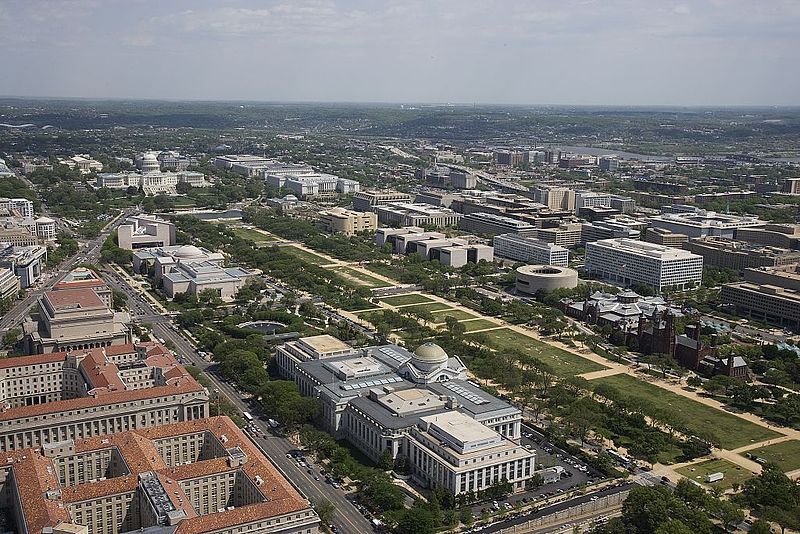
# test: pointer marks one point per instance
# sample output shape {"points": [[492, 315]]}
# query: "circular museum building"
{"points": [[532, 278]]}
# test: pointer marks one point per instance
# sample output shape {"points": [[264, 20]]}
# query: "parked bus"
{"points": [[248, 417]]}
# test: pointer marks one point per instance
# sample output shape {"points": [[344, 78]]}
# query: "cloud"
{"points": [[525, 51]]}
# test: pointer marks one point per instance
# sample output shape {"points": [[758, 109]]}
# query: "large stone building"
{"points": [[739, 255], [152, 182], [554, 197], [26, 262], [20, 207], [83, 163], [145, 231], [530, 250], [627, 261], [702, 223], [410, 214], [389, 402], [313, 185], [9, 284], [453, 252], [48, 398], [492, 223], [371, 200], [774, 235], [533, 278], [83, 278], [72, 319], [347, 222], [192, 477], [198, 277], [164, 259]]}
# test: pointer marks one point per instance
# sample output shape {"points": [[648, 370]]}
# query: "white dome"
{"points": [[188, 251], [430, 353], [150, 163]]}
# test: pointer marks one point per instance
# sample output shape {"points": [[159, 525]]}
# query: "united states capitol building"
{"points": [[388, 401], [150, 178]]}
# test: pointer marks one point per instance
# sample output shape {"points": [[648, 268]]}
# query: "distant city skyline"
{"points": [[573, 52]]}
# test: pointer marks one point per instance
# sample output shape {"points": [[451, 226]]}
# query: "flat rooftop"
{"points": [[409, 401], [643, 248], [325, 344], [460, 427]]}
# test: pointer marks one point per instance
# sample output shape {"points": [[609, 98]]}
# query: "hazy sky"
{"points": [[615, 52]]}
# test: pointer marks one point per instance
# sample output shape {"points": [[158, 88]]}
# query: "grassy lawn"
{"points": [[459, 315], [383, 270], [478, 324], [733, 473], [357, 276], [731, 431], [252, 235], [786, 454], [430, 307], [305, 255], [402, 300], [563, 363]]}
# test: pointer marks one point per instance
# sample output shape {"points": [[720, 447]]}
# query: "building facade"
{"points": [[9, 284], [739, 255], [627, 261], [491, 223], [530, 250], [27, 263], [20, 207], [145, 231], [411, 214], [371, 200], [378, 398], [193, 477], [347, 222], [48, 398], [72, 319]]}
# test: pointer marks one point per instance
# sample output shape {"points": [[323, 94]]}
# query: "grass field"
{"points": [[459, 315], [478, 324], [357, 276], [562, 362], [430, 306], [307, 256], [402, 300], [786, 454], [733, 473], [731, 431], [253, 235]]}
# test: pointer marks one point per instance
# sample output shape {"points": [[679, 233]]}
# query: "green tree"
{"points": [[11, 337], [325, 510]]}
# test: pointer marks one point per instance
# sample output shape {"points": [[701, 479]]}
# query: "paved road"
{"points": [[347, 519], [572, 503]]}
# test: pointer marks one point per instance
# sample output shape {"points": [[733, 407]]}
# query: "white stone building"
{"points": [[530, 250], [628, 261]]}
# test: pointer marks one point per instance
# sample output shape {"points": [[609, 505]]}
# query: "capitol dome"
{"points": [[430, 354], [150, 163]]}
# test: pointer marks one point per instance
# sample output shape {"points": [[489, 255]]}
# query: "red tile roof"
{"points": [[73, 299], [186, 384], [103, 379], [35, 475]]}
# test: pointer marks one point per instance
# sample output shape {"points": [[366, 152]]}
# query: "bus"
{"points": [[248, 417]]}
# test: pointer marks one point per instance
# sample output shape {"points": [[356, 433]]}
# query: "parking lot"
{"points": [[576, 472]]}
